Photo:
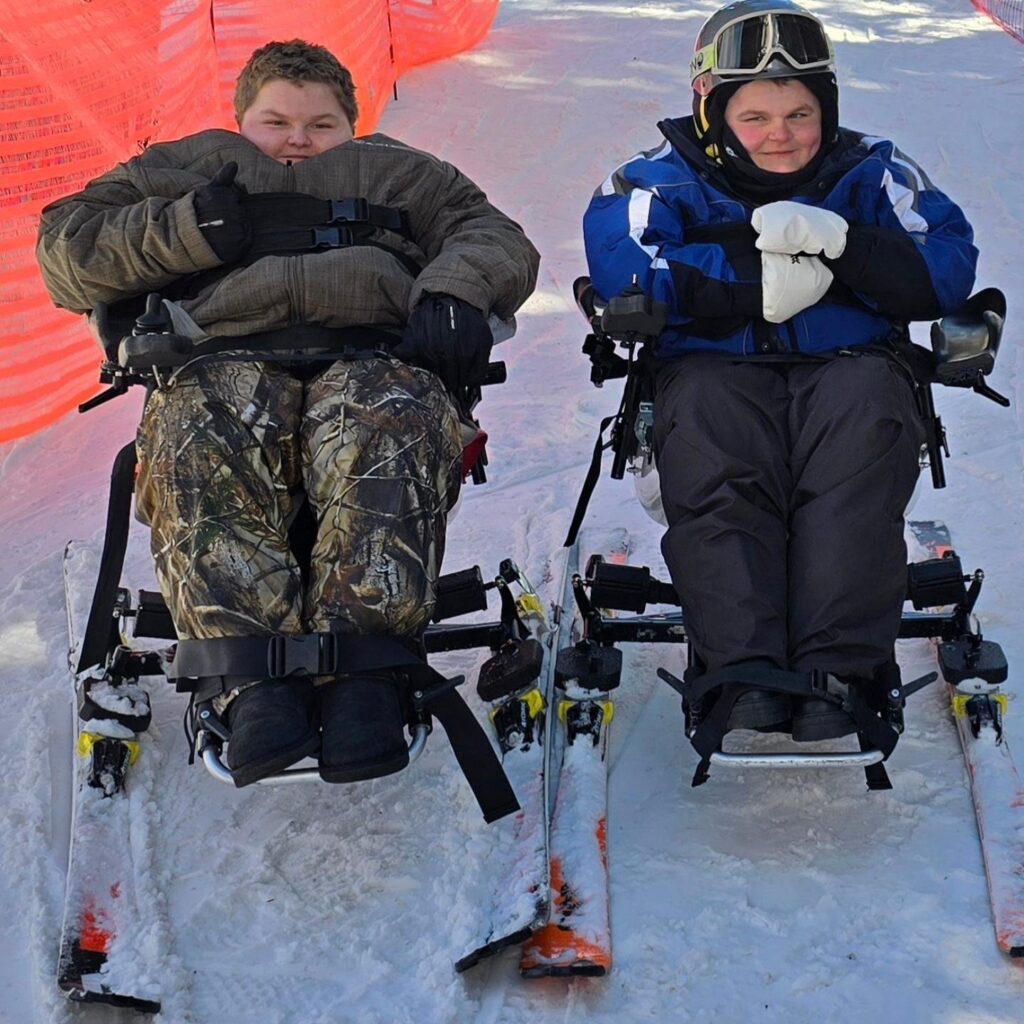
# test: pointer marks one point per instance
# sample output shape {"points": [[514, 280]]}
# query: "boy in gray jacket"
{"points": [[280, 243]]}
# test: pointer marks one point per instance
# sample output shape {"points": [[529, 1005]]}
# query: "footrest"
{"points": [[824, 759], [590, 666], [972, 659], [627, 588], [513, 668], [459, 593], [936, 582]]}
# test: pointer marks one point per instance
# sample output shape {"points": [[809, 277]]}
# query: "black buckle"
{"points": [[819, 682], [827, 687], [312, 654], [332, 238], [348, 209]]}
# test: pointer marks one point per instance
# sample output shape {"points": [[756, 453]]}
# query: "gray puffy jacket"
{"points": [[133, 230]]}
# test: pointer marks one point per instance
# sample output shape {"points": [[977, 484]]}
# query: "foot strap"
{"points": [[873, 733]]}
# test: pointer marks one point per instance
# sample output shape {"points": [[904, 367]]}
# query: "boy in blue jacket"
{"points": [[790, 252]]}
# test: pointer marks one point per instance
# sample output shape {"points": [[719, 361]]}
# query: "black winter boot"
{"points": [[363, 729], [271, 728], [760, 709], [816, 719]]}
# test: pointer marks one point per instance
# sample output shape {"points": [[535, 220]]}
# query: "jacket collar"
{"points": [[682, 136]]}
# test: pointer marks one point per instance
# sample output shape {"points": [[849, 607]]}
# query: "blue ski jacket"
{"points": [[670, 219]]}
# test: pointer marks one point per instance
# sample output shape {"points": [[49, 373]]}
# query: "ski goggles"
{"points": [[745, 48]]}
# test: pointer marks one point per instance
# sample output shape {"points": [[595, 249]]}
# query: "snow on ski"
{"points": [[577, 938], [520, 901], [996, 785], [98, 961]]}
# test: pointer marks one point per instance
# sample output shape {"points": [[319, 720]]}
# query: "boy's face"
{"points": [[292, 122], [779, 124]]}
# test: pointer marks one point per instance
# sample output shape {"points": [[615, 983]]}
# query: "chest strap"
{"points": [[279, 210], [291, 222]]}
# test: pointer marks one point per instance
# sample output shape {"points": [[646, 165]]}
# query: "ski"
{"points": [[576, 940], [518, 699], [97, 961], [997, 790]]}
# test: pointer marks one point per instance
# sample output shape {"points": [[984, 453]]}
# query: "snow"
{"points": [[761, 896]]}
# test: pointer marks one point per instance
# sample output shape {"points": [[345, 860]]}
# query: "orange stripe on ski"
{"points": [[552, 946], [556, 945], [558, 887], [1010, 931], [95, 933]]}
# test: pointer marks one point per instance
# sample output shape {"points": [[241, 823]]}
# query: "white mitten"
{"points": [[790, 283], [793, 227]]}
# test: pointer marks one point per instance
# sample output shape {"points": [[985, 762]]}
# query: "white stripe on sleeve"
{"points": [[903, 202], [639, 215]]}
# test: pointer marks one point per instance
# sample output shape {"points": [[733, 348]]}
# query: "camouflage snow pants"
{"points": [[225, 455]]}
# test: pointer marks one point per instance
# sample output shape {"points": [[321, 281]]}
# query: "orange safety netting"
{"points": [[85, 85]]}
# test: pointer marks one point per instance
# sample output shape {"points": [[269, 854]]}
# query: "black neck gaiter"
{"points": [[762, 186]]}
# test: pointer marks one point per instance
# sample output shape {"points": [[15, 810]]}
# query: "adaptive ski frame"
{"points": [[152, 621], [927, 582]]}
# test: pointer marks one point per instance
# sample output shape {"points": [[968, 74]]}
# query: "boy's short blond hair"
{"points": [[295, 61]]}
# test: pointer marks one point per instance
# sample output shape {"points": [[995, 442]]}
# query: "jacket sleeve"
{"points": [[474, 251], [631, 232], [111, 241], [909, 251]]}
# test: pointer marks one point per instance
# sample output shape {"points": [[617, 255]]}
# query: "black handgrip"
{"points": [[496, 374], [141, 351], [155, 319], [634, 313], [586, 297]]}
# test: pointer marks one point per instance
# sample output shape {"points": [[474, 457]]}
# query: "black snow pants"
{"points": [[784, 486]]}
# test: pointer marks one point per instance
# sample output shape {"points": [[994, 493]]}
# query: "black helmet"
{"points": [[752, 39]]}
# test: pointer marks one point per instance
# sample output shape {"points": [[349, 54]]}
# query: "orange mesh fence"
{"points": [[1007, 13], [82, 86], [85, 85], [422, 28]]}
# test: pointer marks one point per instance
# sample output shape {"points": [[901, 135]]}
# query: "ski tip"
{"points": [[577, 969], [83, 959], [492, 948], [555, 952], [74, 549], [77, 992]]}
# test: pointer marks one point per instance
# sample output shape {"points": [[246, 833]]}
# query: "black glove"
{"points": [[222, 216], [449, 337]]}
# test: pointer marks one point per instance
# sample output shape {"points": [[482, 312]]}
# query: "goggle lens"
{"points": [[743, 45], [746, 45], [803, 40]]}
